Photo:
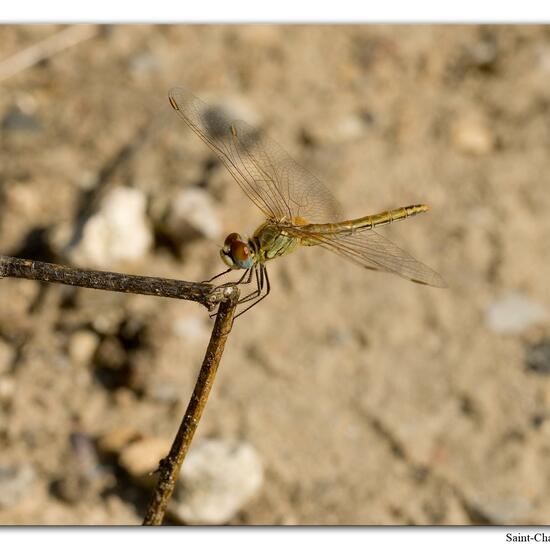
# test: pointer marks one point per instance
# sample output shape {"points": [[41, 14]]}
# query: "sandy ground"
{"points": [[370, 400]]}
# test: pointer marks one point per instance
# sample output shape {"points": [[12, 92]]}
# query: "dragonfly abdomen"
{"points": [[369, 222]]}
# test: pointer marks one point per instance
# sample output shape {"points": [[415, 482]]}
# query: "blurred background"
{"points": [[347, 396]]}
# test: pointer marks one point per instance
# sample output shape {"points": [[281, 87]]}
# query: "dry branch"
{"points": [[206, 294]]}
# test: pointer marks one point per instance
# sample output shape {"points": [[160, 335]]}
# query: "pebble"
{"points": [[7, 388], [191, 329], [472, 136], [82, 346], [350, 127], [119, 231], [15, 483], [141, 458], [144, 64], [83, 475], [483, 54], [217, 479], [537, 357], [115, 440], [19, 121], [193, 212], [513, 313], [7, 356], [505, 509]]}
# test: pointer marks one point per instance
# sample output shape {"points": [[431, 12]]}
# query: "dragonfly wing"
{"points": [[277, 184], [371, 250]]}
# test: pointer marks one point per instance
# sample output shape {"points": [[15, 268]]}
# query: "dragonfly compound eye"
{"points": [[241, 254], [231, 238], [240, 251]]}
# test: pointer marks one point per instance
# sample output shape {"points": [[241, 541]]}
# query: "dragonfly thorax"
{"points": [[237, 253]]}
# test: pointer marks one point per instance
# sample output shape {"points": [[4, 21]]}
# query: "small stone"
{"points": [[514, 313], [119, 231], [191, 213], [218, 478], [115, 440], [504, 509], [140, 459], [7, 388], [350, 127], [19, 121], [472, 136], [191, 329], [144, 64], [537, 357], [82, 346], [15, 483], [7, 356], [111, 354], [483, 54], [83, 476]]}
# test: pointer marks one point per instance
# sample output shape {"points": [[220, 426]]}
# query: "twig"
{"points": [[226, 297], [203, 293], [170, 466], [46, 48]]}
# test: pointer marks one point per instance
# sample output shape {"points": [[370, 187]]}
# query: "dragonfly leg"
{"points": [[242, 281], [263, 273], [246, 275], [259, 287], [216, 276]]}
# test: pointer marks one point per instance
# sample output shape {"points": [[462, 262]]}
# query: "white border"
{"points": [[234, 11], [229, 538], [250, 538]]}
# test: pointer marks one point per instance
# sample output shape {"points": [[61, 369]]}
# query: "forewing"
{"points": [[276, 183], [371, 250]]}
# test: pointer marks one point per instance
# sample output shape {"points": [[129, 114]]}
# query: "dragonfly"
{"points": [[299, 209]]}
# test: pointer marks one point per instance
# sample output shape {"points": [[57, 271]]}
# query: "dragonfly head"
{"points": [[236, 252]]}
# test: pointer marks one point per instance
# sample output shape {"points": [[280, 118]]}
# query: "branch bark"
{"points": [[206, 294]]}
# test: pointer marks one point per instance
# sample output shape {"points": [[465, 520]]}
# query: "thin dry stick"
{"points": [[46, 48], [170, 466], [207, 295], [203, 293]]}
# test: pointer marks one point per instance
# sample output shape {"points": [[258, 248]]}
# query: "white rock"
{"points": [[15, 483], [142, 457], [116, 439], [514, 313], [191, 329], [193, 208], [350, 127], [82, 346], [217, 479], [501, 510], [472, 136], [144, 64], [118, 231]]}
